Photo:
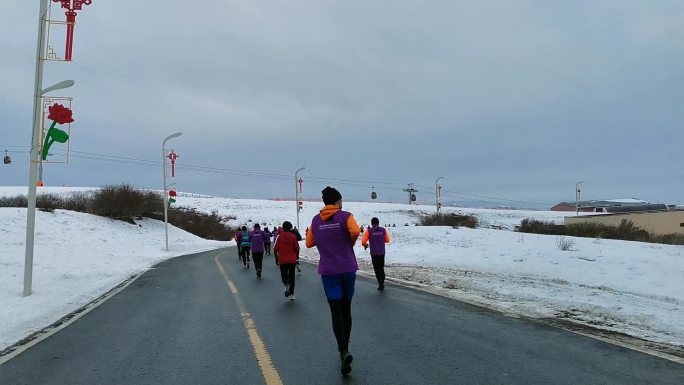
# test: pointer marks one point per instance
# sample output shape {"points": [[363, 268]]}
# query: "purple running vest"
{"points": [[257, 241], [334, 244], [377, 240]]}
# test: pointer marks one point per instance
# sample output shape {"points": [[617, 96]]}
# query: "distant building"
{"points": [[654, 221], [609, 206]]}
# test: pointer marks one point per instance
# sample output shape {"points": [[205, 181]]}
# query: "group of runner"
{"points": [[334, 233], [254, 244]]}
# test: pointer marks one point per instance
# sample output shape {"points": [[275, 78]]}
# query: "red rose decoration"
{"points": [[60, 114]]}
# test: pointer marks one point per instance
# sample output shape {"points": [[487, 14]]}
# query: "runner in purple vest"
{"points": [[377, 236], [267, 242], [334, 233], [257, 248]]}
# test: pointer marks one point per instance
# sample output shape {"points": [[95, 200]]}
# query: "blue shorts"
{"points": [[339, 286]]}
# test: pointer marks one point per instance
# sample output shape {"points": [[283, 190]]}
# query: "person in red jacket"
{"points": [[286, 252]]}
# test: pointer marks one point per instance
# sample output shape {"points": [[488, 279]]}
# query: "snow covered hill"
{"points": [[629, 287]]}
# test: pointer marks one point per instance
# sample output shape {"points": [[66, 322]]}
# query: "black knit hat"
{"points": [[287, 226], [331, 195]]}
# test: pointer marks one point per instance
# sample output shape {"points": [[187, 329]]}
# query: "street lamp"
{"points": [[34, 156], [35, 161], [61, 85], [438, 193], [297, 197], [577, 197], [166, 192]]}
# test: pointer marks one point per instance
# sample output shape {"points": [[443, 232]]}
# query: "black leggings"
{"points": [[287, 273], [379, 267], [267, 248], [244, 251], [258, 259], [340, 311]]}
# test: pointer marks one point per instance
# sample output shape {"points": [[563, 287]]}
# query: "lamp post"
{"points": [[577, 197], [35, 161], [35, 156], [166, 192], [438, 193], [297, 197]]}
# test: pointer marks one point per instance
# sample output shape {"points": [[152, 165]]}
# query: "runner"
{"points": [[267, 242], [238, 240], [377, 236], [245, 245], [257, 247], [334, 233], [286, 251]]}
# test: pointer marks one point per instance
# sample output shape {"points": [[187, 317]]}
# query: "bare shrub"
{"points": [[208, 226], [125, 202], [77, 201], [452, 219], [15, 201], [670, 239], [535, 226], [626, 231], [564, 243], [49, 202]]}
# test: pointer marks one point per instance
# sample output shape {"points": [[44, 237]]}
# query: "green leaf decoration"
{"points": [[59, 136]]}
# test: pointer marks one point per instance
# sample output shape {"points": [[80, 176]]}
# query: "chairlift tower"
{"points": [[412, 193], [438, 194]]}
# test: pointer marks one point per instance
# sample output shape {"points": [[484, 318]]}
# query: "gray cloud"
{"points": [[517, 100]]}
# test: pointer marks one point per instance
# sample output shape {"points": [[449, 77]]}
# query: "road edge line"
{"points": [[594, 335], [72, 317]]}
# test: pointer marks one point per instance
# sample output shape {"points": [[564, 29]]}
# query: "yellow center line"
{"points": [[263, 358]]}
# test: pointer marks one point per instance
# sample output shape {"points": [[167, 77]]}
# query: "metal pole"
{"points": [[165, 197], [166, 209], [437, 192], [34, 157], [297, 194], [577, 197]]}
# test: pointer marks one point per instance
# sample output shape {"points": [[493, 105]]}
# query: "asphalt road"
{"points": [[186, 322]]}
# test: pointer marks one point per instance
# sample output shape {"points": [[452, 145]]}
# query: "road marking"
{"points": [[263, 358], [231, 286], [50, 330]]}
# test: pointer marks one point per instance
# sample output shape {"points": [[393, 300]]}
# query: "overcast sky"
{"points": [[515, 100]]}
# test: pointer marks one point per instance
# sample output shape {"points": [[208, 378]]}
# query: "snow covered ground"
{"points": [[629, 287]]}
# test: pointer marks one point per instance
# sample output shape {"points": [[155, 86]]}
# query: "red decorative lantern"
{"points": [[71, 6], [173, 156]]}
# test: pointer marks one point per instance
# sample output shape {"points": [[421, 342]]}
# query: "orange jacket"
{"points": [[327, 212], [366, 236]]}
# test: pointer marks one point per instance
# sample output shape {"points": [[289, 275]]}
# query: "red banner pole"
{"points": [[71, 20]]}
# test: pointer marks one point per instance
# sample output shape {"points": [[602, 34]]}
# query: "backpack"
{"points": [[245, 237]]}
